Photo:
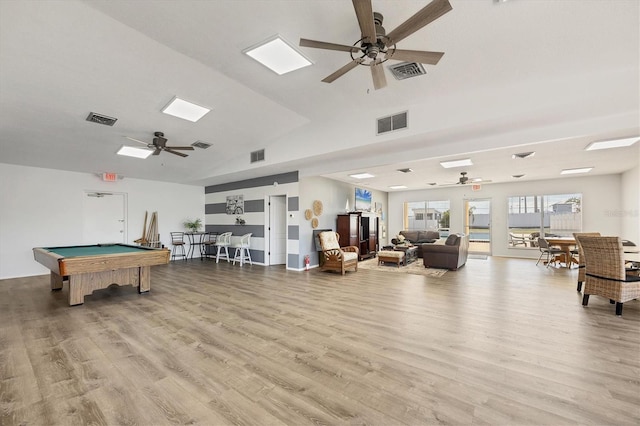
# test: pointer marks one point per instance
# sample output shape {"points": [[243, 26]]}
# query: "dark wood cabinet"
{"points": [[359, 229]]}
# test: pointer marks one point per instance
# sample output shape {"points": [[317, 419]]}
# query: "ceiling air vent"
{"points": [[392, 123], [201, 144], [406, 70], [407, 170], [101, 119], [523, 155], [257, 156]]}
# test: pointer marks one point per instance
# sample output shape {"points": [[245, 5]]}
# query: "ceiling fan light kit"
{"points": [[376, 46], [159, 144]]}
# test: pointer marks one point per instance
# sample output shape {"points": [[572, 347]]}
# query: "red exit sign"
{"points": [[109, 177]]}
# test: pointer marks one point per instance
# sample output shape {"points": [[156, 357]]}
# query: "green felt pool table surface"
{"points": [[95, 250]]}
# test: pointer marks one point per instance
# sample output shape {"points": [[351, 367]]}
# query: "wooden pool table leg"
{"points": [[56, 281], [145, 279], [76, 290]]}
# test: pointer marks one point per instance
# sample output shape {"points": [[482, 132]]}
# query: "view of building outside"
{"points": [[427, 216], [530, 216]]}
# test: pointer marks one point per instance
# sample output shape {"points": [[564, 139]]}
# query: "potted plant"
{"points": [[193, 225]]}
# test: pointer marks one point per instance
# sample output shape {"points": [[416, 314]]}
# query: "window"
{"points": [[530, 216], [426, 215]]}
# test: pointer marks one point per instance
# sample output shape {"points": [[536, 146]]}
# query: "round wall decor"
{"points": [[314, 222], [308, 214], [317, 207]]}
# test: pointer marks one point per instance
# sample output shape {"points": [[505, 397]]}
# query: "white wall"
{"points": [[600, 196], [43, 207], [334, 196], [630, 213]]}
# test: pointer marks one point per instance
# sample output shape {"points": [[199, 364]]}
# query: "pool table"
{"points": [[95, 267]]}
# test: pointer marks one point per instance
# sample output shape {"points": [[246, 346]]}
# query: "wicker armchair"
{"points": [[581, 269], [337, 258], [605, 272]]}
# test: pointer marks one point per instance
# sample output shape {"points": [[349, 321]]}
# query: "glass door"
{"points": [[478, 225]]}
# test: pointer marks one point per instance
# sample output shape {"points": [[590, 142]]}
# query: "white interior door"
{"points": [[103, 218], [277, 250]]}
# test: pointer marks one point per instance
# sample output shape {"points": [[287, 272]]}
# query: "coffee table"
{"points": [[410, 253]]}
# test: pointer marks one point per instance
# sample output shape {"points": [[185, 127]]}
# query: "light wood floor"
{"points": [[500, 342]]}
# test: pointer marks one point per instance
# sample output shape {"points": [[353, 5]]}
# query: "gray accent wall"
{"points": [[293, 260], [293, 232], [290, 177], [293, 204], [252, 206], [216, 208]]}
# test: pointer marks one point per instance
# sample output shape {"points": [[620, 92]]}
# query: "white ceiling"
{"points": [[526, 75]]}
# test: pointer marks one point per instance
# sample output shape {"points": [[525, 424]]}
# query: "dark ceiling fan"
{"points": [[463, 180], [376, 47], [160, 144]]}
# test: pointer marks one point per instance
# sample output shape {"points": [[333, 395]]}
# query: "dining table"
{"points": [[566, 244]]}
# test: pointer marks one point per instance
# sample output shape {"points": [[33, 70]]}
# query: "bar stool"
{"points": [[242, 251], [208, 241], [222, 243], [177, 243]]}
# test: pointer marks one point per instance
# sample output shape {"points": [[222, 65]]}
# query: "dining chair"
{"points": [[581, 269], [550, 252], [242, 252], [177, 245], [222, 243], [605, 273]]}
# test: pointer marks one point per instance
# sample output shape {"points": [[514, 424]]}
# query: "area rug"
{"points": [[415, 268]]}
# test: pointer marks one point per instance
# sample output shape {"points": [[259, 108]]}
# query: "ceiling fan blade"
{"points": [[342, 71], [329, 46], [184, 148], [157, 151], [136, 140], [420, 56], [377, 72], [175, 152], [364, 12], [427, 14]]}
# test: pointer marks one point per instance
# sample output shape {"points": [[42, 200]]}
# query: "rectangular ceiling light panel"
{"points": [[614, 143], [278, 55], [456, 163], [132, 151], [362, 175], [185, 110], [398, 187], [576, 171]]}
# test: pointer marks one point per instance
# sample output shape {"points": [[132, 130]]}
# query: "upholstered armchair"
{"points": [[581, 268], [605, 272], [337, 258]]}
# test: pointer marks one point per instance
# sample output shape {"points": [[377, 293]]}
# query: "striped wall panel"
{"points": [[255, 192]]}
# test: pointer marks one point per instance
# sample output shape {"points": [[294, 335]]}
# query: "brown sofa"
{"points": [[418, 238], [450, 255]]}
